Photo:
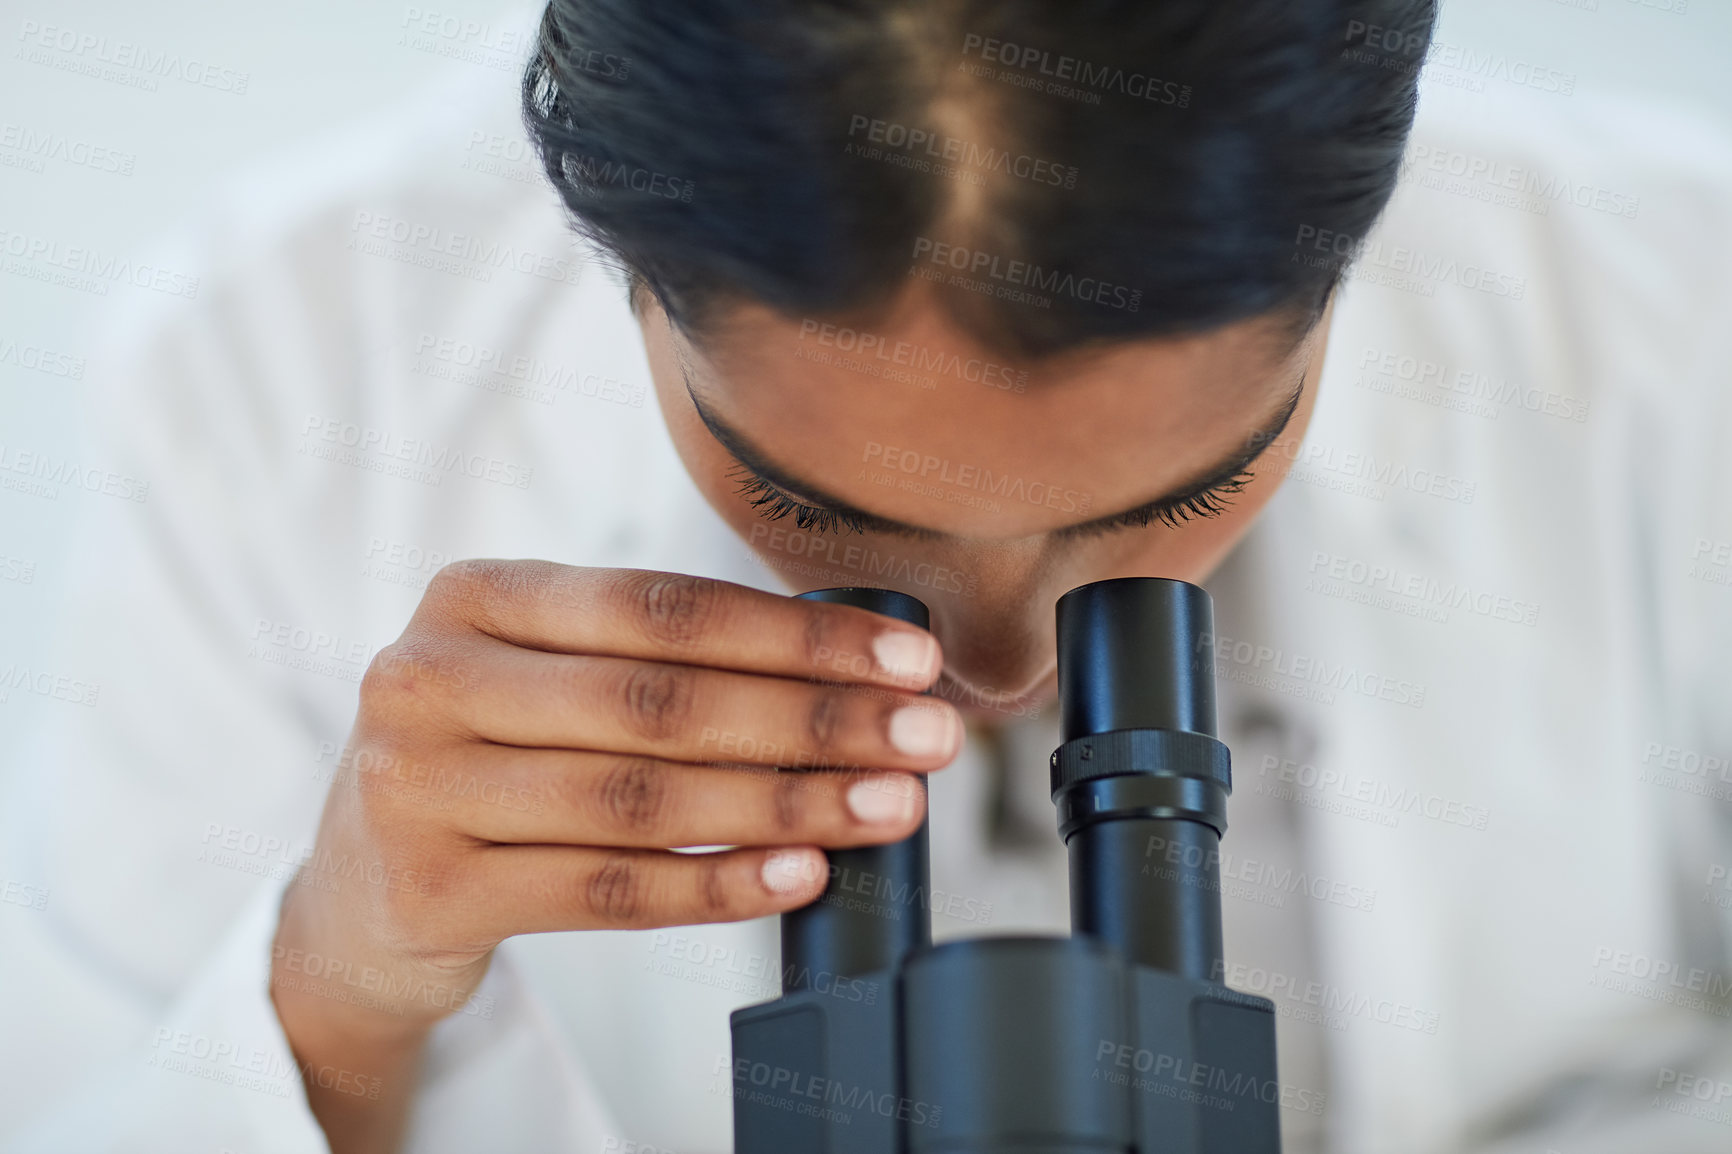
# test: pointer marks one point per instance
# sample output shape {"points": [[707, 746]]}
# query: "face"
{"points": [[907, 456]]}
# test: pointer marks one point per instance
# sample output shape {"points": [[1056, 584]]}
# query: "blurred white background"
{"points": [[117, 164], [316, 66]]}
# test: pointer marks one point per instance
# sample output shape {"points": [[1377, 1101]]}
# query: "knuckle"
{"points": [[387, 678], [465, 582], [409, 670], [824, 719], [472, 590], [614, 892], [378, 675], [676, 608], [634, 795], [713, 900], [819, 637], [788, 802], [417, 888], [657, 700]]}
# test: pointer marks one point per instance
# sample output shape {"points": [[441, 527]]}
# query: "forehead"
{"points": [[909, 418]]}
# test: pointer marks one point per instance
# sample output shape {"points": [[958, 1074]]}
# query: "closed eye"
{"points": [[772, 504], [1211, 501]]}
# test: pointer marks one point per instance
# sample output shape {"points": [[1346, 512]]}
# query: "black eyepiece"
{"points": [[875, 909], [1136, 653]]}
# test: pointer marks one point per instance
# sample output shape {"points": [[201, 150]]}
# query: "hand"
{"points": [[527, 755]]}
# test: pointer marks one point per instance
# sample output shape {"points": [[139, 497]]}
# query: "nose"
{"points": [[997, 656]]}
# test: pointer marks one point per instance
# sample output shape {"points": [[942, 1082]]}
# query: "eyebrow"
{"points": [[746, 453]]}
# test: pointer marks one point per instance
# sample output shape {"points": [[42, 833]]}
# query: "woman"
{"points": [[1126, 246], [980, 302]]}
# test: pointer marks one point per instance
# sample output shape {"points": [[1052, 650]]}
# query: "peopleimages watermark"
{"points": [[249, 851], [1452, 65], [17, 893], [430, 786], [1719, 877], [85, 269], [1323, 1003], [1692, 1095], [1505, 185], [1661, 980], [929, 472], [21, 677], [495, 370], [1244, 877], [381, 451], [876, 895], [748, 973], [438, 249], [820, 549], [802, 1092], [589, 175], [1399, 266], [399, 563], [1006, 278], [36, 474], [1686, 771], [340, 980], [1305, 676], [459, 38], [1462, 390], [940, 154], [32, 148], [1357, 473], [310, 649], [508, 157], [1711, 561], [17, 569], [875, 355], [1026, 66], [1363, 798], [1384, 586], [1172, 1075], [264, 1069], [1459, 66], [41, 359], [121, 62]]}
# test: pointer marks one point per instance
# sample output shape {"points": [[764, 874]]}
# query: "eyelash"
{"points": [[1210, 502], [772, 505]]}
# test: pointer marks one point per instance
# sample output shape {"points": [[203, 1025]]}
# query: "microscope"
{"points": [[1120, 1038]]}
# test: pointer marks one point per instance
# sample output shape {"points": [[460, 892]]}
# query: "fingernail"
{"points": [[883, 800], [905, 655], [922, 731], [788, 871]]}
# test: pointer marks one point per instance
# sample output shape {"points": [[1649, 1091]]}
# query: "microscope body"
{"points": [[1119, 1038]]}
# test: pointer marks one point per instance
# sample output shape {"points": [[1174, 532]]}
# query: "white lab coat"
{"points": [[1473, 658]]}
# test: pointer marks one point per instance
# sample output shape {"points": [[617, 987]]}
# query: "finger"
{"points": [[687, 713], [543, 889], [674, 617], [506, 794]]}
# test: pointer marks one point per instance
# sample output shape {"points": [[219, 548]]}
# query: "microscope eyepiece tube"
{"points": [[844, 934], [1136, 653], [1141, 780]]}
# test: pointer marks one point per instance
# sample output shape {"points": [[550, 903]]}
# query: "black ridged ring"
{"points": [[1141, 773]]}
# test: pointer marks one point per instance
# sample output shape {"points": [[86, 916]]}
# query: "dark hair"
{"points": [[810, 155]]}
